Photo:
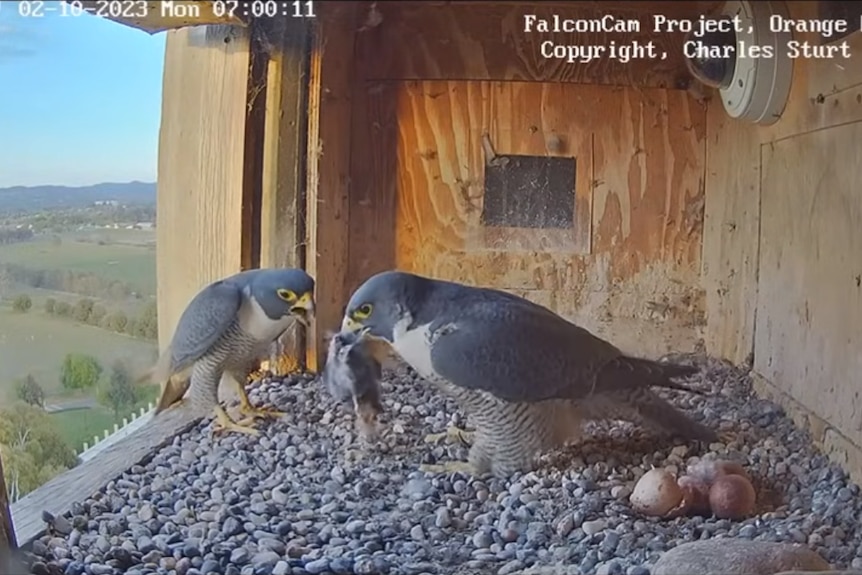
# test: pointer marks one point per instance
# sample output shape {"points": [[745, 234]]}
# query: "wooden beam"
{"points": [[253, 148], [57, 495], [7, 529], [153, 17], [329, 166], [203, 184], [282, 226]]}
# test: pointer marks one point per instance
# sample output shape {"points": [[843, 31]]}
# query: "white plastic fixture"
{"points": [[760, 86]]}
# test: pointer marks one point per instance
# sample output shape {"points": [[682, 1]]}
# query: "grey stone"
{"points": [[728, 556]]}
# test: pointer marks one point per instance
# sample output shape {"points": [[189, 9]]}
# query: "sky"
{"points": [[80, 100]]}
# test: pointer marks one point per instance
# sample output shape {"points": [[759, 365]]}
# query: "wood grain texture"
{"points": [[330, 95], [810, 290], [730, 240], [284, 155], [7, 529], [635, 251], [487, 41], [88, 478], [201, 165], [374, 154]]}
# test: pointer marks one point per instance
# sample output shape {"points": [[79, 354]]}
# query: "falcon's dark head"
{"points": [[382, 301]]}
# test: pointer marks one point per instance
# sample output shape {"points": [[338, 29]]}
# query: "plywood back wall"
{"points": [[630, 269]]}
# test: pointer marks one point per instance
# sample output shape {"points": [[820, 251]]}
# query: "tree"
{"points": [[50, 304], [62, 309], [30, 392], [118, 321], [80, 371], [22, 303], [120, 392], [82, 310], [147, 325], [97, 315], [33, 450]]}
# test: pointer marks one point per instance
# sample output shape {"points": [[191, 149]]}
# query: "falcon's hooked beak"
{"points": [[350, 325], [303, 309]]}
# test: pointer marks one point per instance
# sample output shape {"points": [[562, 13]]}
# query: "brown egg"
{"points": [[732, 497], [695, 494]]}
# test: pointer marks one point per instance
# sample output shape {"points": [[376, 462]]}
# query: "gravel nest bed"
{"points": [[297, 500]]}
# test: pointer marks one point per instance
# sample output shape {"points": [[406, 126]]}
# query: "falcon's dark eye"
{"points": [[363, 311]]}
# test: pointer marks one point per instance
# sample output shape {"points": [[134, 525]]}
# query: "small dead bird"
{"points": [[352, 374]]}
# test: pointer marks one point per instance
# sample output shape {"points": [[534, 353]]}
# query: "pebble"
{"points": [[306, 496]]}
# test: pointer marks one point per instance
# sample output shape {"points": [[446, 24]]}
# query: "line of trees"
{"points": [[85, 310], [82, 283], [15, 235]]}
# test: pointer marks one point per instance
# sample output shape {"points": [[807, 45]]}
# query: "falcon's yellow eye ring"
{"points": [[363, 311], [286, 295]]}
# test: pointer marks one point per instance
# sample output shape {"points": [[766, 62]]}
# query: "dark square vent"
{"points": [[530, 192]]}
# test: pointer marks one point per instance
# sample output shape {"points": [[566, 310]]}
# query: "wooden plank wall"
{"points": [[419, 110], [283, 200], [782, 248], [331, 97], [201, 165]]}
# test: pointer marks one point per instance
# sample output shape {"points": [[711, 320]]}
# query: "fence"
{"points": [[110, 437]]}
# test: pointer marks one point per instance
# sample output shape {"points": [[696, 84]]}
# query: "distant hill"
{"points": [[41, 198]]}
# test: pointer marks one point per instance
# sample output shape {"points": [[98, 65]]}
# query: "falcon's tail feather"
{"points": [[660, 414], [628, 372]]}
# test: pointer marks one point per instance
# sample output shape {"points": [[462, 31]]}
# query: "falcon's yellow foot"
{"points": [[223, 423], [246, 408], [354, 455], [449, 467], [453, 434], [263, 412]]}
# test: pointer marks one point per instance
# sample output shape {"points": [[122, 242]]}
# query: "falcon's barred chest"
{"points": [[508, 434], [238, 351]]}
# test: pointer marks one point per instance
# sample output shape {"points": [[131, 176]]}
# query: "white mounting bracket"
{"points": [[760, 86]]}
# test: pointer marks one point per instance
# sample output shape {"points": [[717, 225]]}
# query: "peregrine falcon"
{"points": [[525, 376], [352, 374], [226, 330]]}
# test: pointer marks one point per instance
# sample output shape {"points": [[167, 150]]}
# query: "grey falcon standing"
{"points": [[525, 376], [225, 330]]}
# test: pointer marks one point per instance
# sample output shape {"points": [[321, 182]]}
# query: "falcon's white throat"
{"points": [[414, 345], [254, 321]]}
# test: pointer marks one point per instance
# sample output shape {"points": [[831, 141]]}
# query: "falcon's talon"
{"points": [[246, 407], [453, 434], [463, 467], [260, 412], [726, 437], [223, 423]]}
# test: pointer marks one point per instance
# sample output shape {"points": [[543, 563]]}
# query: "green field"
{"points": [[132, 261], [36, 343], [78, 426]]}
